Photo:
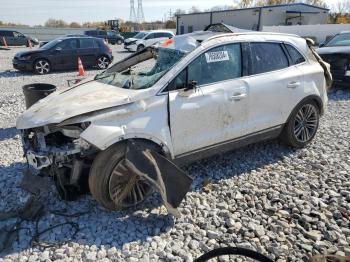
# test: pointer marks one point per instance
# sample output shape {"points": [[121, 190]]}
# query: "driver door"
{"points": [[215, 111]]}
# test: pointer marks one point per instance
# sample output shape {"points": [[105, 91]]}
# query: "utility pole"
{"points": [[140, 14], [132, 11]]}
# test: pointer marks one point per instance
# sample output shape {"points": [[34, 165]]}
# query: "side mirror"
{"points": [[322, 44], [189, 89], [191, 85]]}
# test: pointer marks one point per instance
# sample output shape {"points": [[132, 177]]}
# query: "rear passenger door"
{"points": [[88, 51], [274, 85]]}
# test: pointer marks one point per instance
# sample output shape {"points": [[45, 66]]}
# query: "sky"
{"points": [[34, 12]]}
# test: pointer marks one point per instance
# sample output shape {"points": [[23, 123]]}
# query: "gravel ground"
{"points": [[286, 204]]}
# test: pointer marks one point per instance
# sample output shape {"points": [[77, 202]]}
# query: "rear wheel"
{"points": [[112, 184], [302, 126], [103, 62], [119, 41], [42, 67]]}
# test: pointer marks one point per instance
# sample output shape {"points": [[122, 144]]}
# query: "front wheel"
{"points": [[42, 67], [302, 126], [140, 47], [103, 62], [112, 184]]}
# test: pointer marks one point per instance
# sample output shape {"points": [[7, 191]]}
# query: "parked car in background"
{"points": [[112, 36], [63, 53], [186, 100], [336, 52], [145, 39], [14, 38]]}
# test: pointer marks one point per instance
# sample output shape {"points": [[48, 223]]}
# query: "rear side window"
{"points": [[6, 33], [267, 57], [295, 55], [87, 43], [218, 64]]}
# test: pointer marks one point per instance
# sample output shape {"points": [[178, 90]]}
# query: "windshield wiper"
{"points": [[103, 76]]}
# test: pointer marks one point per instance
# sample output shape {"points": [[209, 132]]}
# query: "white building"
{"points": [[255, 18]]}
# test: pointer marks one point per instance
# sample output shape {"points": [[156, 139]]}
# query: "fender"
{"points": [[115, 134], [314, 98]]}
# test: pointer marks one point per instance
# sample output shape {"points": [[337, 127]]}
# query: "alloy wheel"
{"points": [[42, 67], [127, 189], [306, 123], [103, 62]]}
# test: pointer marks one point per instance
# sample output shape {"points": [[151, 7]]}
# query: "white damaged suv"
{"points": [[191, 97]]}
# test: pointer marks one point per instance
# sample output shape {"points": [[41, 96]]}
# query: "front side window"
{"points": [[150, 36], [86, 43], [267, 57], [340, 40], [294, 54], [67, 44], [17, 34], [218, 64]]}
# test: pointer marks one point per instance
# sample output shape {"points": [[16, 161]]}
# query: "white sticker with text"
{"points": [[213, 57]]}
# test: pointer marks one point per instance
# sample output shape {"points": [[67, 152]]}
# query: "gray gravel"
{"points": [[283, 203]]}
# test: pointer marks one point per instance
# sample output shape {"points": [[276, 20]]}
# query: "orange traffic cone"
{"points": [[4, 42], [30, 44], [81, 68]]}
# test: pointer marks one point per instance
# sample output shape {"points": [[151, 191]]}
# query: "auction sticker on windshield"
{"points": [[213, 57]]}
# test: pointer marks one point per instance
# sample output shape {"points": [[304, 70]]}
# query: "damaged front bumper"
{"points": [[44, 148]]}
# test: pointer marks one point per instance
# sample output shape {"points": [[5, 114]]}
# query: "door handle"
{"points": [[237, 96], [293, 84]]}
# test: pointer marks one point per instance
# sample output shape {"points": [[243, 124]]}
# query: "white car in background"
{"points": [[146, 38], [192, 97]]}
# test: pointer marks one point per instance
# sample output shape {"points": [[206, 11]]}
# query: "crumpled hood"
{"points": [[333, 50], [85, 98]]}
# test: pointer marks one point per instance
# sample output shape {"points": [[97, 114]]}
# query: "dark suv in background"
{"points": [[62, 54], [14, 38], [112, 36]]}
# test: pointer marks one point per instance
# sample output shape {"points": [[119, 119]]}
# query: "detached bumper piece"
{"points": [[170, 181]]}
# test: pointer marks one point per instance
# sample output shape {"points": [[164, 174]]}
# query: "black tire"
{"points": [[42, 66], [140, 47], [119, 42], [103, 62], [102, 174], [302, 125]]}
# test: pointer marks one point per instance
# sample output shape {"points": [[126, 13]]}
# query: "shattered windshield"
{"points": [[144, 74], [340, 40]]}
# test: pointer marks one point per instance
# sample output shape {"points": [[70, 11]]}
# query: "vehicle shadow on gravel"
{"points": [[8, 133], [12, 73], [238, 162]]}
